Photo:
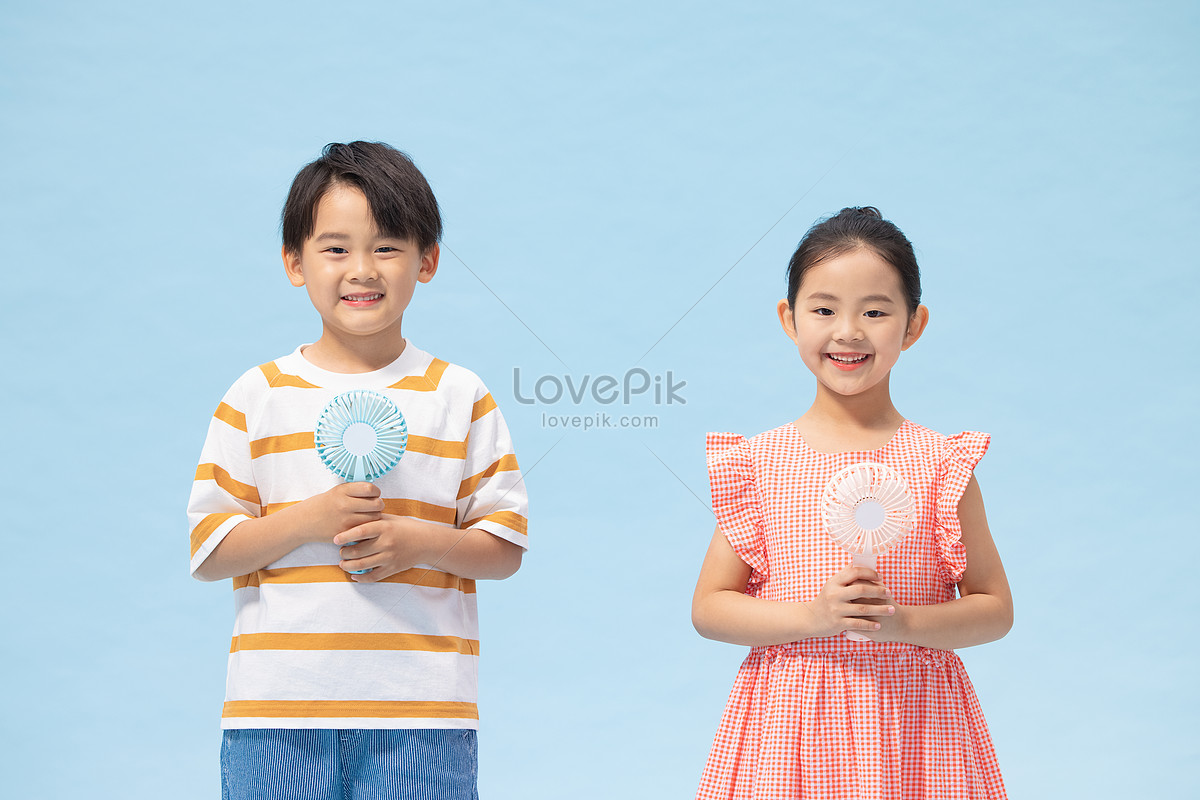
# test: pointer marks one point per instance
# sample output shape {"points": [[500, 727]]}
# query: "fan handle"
{"points": [[861, 560]]}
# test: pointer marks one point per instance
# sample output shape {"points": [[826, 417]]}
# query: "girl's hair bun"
{"points": [[850, 229], [869, 211]]}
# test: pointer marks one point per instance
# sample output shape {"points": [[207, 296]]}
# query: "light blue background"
{"points": [[601, 167]]}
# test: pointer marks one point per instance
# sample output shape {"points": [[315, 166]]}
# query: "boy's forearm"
{"points": [[473, 553], [253, 544]]}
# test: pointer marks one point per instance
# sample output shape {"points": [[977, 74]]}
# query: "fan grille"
{"points": [[340, 441], [868, 508]]}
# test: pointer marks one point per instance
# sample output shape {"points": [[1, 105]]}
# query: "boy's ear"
{"points": [[429, 263], [787, 319], [291, 265], [916, 326]]}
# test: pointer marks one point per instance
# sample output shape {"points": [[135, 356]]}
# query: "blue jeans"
{"points": [[320, 764]]}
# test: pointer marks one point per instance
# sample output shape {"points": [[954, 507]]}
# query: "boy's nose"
{"points": [[363, 268]]}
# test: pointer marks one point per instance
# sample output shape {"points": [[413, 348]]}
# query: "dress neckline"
{"points": [[795, 432]]}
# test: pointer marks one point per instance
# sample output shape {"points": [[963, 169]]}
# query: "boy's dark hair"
{"points": [[851, 229], [401, 201]]}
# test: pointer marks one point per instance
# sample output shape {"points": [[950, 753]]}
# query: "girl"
{"points": [[815, 713]]}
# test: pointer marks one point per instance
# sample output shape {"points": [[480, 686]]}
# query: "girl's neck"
{"points": [[837, 423]]}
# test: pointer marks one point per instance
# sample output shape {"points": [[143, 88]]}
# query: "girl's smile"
{"points": [[848, 361], [849, 322]]}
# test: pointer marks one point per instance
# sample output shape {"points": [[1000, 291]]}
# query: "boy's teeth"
{"points": [[362, 297], [845, 360]]}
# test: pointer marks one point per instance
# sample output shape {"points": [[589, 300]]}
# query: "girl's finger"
{"points": [[864, 625], [865, 610]]}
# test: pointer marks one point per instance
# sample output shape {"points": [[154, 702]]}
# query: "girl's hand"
{"points": [[852, 600]]}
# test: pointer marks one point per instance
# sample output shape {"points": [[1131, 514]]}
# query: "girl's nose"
{"points": [[848, 330]]}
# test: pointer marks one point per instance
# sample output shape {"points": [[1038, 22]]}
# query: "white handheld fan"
{"points": [[868, 509], [360, 436]]}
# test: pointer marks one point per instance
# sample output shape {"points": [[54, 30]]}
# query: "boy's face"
{"points": [[359, 280]]}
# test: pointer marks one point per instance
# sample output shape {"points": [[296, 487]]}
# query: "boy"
{"points": [[352, 671]]}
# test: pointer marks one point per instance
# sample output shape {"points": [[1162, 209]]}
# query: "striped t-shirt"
{"points": [[312, 648]]}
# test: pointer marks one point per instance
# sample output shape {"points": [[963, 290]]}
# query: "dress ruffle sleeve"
{"points": [[737, 502], [962, 452]]}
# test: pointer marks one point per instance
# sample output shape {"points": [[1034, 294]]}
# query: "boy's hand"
{"points": [[345, 506], [384, 546]]}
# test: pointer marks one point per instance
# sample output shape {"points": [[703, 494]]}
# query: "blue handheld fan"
{"points": [[360, 436]]}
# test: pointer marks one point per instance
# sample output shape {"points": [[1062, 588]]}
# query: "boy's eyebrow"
{"points": [[871, 298], [331, 236]]}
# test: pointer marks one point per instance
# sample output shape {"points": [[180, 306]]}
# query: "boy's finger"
{"points": [[356, 535], [362, 489]]}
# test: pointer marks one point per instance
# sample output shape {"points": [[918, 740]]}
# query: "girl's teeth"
{"points": [[847, 360]]}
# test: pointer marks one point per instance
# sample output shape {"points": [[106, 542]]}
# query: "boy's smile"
{"points": [[359, 280]]}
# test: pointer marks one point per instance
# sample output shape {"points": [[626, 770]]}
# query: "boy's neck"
{"points": [[351, 357]]}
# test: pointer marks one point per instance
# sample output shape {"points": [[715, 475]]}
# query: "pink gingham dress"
{"points": [[829, 717]]}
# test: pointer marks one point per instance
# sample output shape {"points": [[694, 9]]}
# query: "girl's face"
{"points": [[850, 322]]}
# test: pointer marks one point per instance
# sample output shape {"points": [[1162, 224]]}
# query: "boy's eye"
{"points": [[336, 250], [823, 312], [873, 313], [386, 249]]}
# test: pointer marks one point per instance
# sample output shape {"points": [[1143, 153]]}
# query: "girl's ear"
{"points": [[787, 319], [916, 326], [291, 265]]}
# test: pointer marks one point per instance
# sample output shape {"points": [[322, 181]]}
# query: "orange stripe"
{"points": [[354, 641], [429, 512], [507, 463], [204, 529], [290, 442], [417, 576], [375, 709], [275, 378], [509, 519], [286, 443], [231, 416], [482, 406], [242, 491], [423, 383], [437, 447]]}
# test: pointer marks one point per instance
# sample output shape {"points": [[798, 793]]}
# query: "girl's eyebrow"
{"points": [[330, 236], [871, 298]]}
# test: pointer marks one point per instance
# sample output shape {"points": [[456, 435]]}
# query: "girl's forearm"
{"points": [[967, 621], [737, 618]]}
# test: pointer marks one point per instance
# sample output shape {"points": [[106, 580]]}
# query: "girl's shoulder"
{"points": [[764, 445], [966, 446]]}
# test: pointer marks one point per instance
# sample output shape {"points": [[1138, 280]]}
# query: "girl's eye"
{"points": [[874, 313], [823, 312]]}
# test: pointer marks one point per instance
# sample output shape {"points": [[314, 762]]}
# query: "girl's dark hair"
{"points": [[851, 229], [401, 201]]}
